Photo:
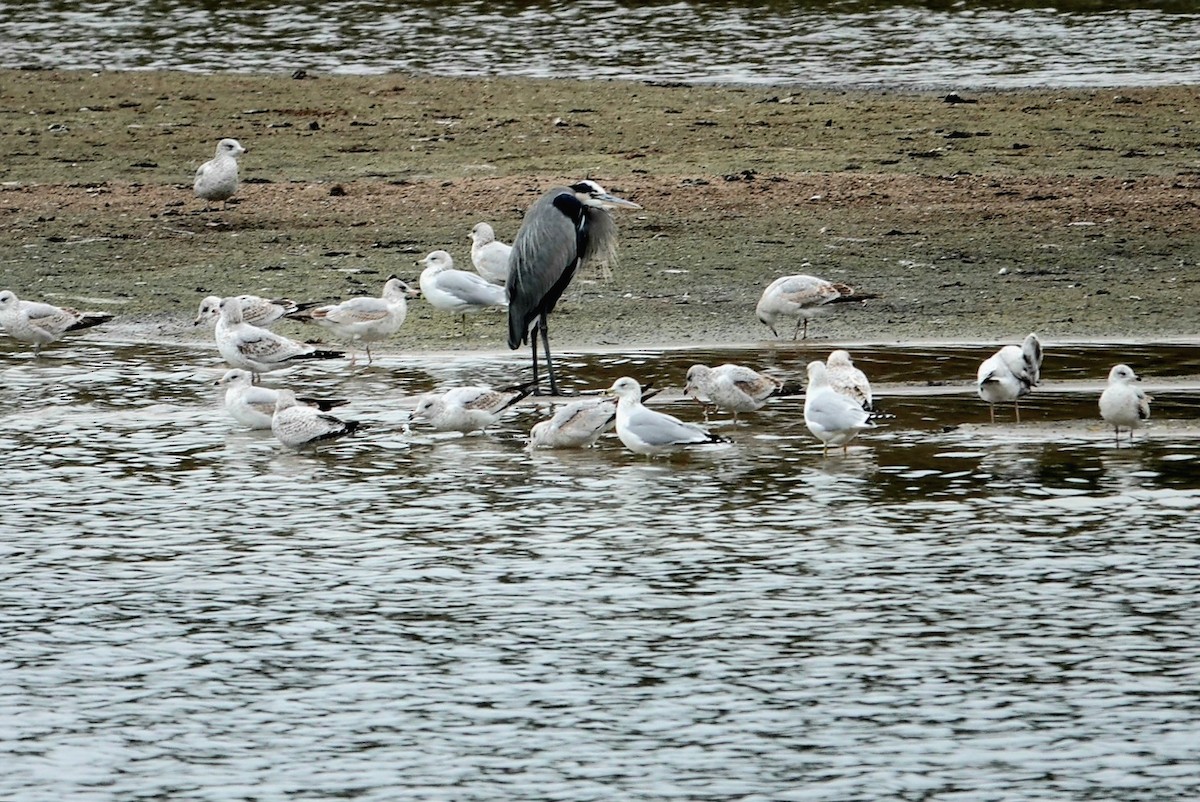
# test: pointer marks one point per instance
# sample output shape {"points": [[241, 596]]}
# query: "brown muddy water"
{"points": [[952, 610]]}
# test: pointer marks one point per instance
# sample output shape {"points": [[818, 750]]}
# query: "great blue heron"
{"points": [[564, 228], [1123, 403], [1010, 373]]}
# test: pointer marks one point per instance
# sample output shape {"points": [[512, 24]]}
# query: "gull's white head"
{"points": [[816, 375], [839, 359], [427, 406], [285, 399], [210, 308], [437, 262], [231, 310], [236, 377], [625, 388], [396, 289], [697, 375], [8, 300], [1122, 374], [230, 147], [482, 234], [590, 193]]}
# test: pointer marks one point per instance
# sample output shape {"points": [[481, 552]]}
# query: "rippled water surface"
{"points": [[953, 610], [997, 43]]}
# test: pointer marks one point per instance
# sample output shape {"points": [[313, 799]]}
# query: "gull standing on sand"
{"points": [[256, 349], [217, 178], [1009, 374], [296, 425], [833, 418], [800, 297], [366, 319], [647, 431], [467, 409], [1123, 403], [457, 290], [41, 323], [253, 405], [848, 380], [489, 255], [256, 311], [733, 388]]}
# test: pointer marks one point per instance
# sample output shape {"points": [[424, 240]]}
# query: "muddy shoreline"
{"points": [[1072, 213]]}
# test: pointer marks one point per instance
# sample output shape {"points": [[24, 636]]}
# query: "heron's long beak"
{"points": [[612, 201]]}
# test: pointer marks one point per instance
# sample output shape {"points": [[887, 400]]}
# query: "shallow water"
{"points": [[953, 610], [1000, 43]]}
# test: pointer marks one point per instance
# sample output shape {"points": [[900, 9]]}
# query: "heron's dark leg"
{"points": [[546, 350], [533, 335]]}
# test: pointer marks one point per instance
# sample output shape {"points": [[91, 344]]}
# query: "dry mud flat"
{"points": [[1072, 213]]}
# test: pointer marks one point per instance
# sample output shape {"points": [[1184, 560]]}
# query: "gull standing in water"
{"points": [[848, 380], [800, 297], [256, 349], [366, 319], [217, 178], [256, 311], [647, 431], [41, 323], [733, 388], [833, 418], [253, 405], [489, 255], [467, 409], [565, 228], [457, 290], [1123, 403], [296, 425], [1009, 374]]}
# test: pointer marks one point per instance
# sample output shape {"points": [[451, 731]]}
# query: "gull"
{"points": [[489, 255], [799, 297], [847, 379], [256, 349], [578, 424], [833, 418], [647, 431], [1010, 373], [367, 319], [217, 178], [253, 406], [733, 388], [41, 323], [256, 311], [467, 409], [1123, 403], [457, 290], [295, 424]]}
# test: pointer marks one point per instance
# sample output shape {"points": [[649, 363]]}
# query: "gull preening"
{"points": [[366, 319], [256, 349], [800, 297], [295, 424], [1009, 374], [564, 229], [833, 418], [648, 431], [458, 291], [848, 380], [1123, 403], [253, 405], [733, 388], [467, 409], [217, 178], [41, 323], [256, 311], [489, 255]]}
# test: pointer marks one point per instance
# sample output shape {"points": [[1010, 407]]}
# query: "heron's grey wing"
{"points": [[543, 256], [471, 289], [660, 429]]}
